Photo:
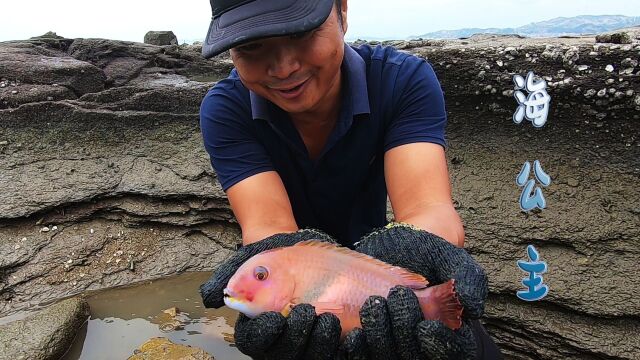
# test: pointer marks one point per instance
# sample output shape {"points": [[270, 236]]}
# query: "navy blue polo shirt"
{"points": [[390, 98]]}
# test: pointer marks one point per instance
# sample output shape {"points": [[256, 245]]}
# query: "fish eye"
{"points": [[261, 273]]}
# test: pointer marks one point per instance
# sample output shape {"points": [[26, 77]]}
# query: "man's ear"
{"points": [[345, 24]]}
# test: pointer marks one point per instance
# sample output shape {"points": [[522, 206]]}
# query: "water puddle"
{"points": [[123, 319]]}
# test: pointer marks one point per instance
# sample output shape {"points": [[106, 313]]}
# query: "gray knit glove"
{"points": [[393, 328], [301, 335]]}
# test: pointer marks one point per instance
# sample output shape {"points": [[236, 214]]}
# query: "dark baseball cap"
{"points": [[239, 21]]}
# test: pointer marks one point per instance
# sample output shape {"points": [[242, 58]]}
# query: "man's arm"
{"points": [[262, 207], [420, 192]]}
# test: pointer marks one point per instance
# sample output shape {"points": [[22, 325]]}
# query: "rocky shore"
{"points": [[105, 181]]}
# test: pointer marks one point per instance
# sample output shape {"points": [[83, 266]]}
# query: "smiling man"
{"points": [[308, 132]]}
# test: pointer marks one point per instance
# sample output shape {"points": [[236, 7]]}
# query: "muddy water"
{"points": [[123, 319]]}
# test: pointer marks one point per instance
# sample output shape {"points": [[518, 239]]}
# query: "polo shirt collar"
{"points": [[356, 75]]}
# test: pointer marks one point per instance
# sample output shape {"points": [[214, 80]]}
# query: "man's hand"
{"points": [[394, 327], [301, 335]]}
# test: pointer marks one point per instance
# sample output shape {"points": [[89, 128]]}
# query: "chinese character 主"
{"points": [[536, 290], [528, 201], [535, 106]]}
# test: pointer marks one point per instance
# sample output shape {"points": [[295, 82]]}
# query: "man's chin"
{"points": [[293, 107]]}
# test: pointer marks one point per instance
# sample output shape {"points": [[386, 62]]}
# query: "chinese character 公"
{"points": [[528, 202], [536, 290], [535, 106]]}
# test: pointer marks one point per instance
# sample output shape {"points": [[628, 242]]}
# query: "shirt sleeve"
{"points": [[229, 137], [420, 114]]}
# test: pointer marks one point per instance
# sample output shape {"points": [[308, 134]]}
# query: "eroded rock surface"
{"points": [[105, 180]]}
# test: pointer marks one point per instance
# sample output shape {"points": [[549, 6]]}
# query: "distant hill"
{"points": [[577, 25]]}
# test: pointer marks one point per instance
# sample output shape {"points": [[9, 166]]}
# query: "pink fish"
{"points": [[332, 279]]}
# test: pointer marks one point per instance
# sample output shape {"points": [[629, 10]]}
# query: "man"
{"points": [[308, 132]]}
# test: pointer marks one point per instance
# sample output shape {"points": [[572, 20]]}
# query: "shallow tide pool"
{"points": [[122, 319]]}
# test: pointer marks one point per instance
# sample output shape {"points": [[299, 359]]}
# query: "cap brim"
{"points": [[263, 18]]}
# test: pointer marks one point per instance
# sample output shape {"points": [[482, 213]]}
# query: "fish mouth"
{"points": [[238, 304], [229, 297], [228, 294]]}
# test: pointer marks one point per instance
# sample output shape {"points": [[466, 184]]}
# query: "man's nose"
{"points": [[283, 62]]}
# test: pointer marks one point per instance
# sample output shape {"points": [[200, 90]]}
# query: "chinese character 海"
{"points": [[536, 290], [535, 106], [528, 201]]}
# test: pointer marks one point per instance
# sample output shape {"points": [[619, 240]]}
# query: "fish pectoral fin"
{"points": [[287, 309], [323, 307]]}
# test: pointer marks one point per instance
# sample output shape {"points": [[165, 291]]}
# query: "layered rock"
{"points": [[105, 180], [107, 184]]}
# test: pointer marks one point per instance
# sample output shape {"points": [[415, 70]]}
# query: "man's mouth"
{"points": [[290, 88], [291, 93], [293, 89]]}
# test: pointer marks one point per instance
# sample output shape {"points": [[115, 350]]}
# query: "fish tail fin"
{"points": [[440, 302]]}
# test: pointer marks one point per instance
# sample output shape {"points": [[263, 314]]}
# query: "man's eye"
{"points": [[250, 47], [301, 35]]}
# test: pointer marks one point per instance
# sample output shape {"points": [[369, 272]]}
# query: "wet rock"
{"points": [[163, 349], [170, 319], [160, 38], [46, 334], [615, 38], [172, 311]]}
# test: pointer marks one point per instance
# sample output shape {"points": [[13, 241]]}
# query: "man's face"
{"points": [[271, 66]]}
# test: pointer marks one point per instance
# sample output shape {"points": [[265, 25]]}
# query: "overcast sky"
{"points": [[189, 19]]}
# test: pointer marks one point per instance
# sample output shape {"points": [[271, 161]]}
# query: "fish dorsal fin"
{"points": [[412, 280]]}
